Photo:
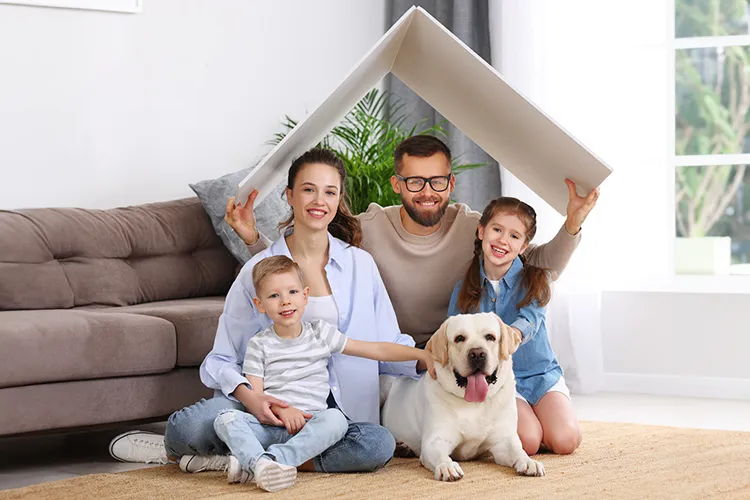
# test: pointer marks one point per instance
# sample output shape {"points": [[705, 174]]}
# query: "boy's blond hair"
{"points": [[271, 266]]}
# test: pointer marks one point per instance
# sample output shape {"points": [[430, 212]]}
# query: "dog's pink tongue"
{"points": [[476, 389]]}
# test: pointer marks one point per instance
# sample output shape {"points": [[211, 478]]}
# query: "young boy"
{"points": [[289, 361]]}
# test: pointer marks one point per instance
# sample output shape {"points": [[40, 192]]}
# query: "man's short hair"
{"points": [[422, 146], [271, 266]]}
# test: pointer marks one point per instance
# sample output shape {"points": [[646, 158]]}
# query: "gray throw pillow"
{"points": [[214, 193]]}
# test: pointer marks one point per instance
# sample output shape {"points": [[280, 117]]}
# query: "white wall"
{"points": [[603, 69], [687, 344], [100, 110]]}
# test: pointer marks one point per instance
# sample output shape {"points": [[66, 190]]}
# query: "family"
{"points": [[313, 320]]}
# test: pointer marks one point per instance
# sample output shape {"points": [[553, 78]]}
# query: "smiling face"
{"points": [[427, 206], [470, 349], [315, 195], [503, 238], [282, 297]]}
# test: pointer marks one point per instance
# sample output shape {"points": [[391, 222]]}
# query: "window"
{"points": [[712, 136]]}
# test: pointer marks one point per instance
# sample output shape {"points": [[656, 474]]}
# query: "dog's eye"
{"points": [[459, 338], [490, 337]]}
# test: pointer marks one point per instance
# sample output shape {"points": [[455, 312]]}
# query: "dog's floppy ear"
{"points": [[438, 344], [509, 340]]}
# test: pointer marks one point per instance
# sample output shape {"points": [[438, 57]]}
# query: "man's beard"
{"points": [[425, 219]]}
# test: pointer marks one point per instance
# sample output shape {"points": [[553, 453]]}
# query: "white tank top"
{"points": [[496, 287], [322, 308]]}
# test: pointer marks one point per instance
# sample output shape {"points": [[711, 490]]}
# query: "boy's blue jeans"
{"points": [[365, 447], [249, 440]]}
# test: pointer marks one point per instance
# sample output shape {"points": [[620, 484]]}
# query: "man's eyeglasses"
{"points": [[415, 184]]}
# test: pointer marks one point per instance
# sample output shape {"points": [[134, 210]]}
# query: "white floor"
{"points": [[26, 461], [669, 411]]}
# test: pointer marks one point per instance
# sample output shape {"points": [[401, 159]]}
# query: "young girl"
{"points": [[499, 281]]}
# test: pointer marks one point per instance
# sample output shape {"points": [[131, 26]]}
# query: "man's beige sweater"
{"points": [[420, 272]]}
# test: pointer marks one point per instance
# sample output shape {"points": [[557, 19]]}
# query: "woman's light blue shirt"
{"points": [[365, 313]]}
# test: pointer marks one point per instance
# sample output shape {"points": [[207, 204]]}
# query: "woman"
{"points": [[323, 237]]}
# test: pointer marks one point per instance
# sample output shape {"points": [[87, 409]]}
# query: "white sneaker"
{"points": [[273, 476], [200, 463], [235, 472], [139, 446]]}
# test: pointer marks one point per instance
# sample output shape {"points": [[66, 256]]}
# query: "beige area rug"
{"points": [[615, 461]]}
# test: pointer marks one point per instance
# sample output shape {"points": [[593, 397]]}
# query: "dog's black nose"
{"points": [[477, 357]]}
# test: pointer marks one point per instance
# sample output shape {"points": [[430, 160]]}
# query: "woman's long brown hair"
{"points": [[535, 280], [344, 225]]}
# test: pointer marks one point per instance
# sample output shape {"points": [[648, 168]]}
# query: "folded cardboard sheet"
{"points": [[470, 93]]}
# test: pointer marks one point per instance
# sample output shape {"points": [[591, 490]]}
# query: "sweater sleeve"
{"points": [[555, 254]]}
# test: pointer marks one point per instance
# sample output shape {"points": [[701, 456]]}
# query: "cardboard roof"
{"points": [[468, 92]]}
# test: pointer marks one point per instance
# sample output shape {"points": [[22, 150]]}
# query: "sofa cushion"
{"points": [[214, 194], [61, 345], [60, 258], [194, 320]]}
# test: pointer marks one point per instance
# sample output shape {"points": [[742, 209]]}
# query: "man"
{"points": [[422, 249]]}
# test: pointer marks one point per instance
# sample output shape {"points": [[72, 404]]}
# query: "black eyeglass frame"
{"points": [[425, 180]]}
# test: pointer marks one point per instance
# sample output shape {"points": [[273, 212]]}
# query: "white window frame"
{"points": [[731, 283], [126, 6]]}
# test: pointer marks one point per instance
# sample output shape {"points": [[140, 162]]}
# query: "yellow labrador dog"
{"points": [[470, 409]]}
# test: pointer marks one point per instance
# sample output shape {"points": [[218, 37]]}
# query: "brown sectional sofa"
{"points": [[105, 315]]}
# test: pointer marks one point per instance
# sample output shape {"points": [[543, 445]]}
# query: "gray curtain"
{"points": [[469, 21]]}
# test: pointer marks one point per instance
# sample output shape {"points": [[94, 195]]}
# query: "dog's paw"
{"points": [[403, 451], [448, 471], [529, 467]]}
